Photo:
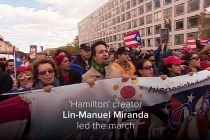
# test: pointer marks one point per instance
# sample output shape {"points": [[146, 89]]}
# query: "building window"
{"points": [[192, 22], [206, 3], [118, 10], [118, 37], [156, 4], [157, 29], [179, 39], [134, 13], [149, 18], [150, 42], [149, 6], [194, 34], [116, 2], [157, 16], [123, 17], [129, 25], [122, 8], [140, 1], [193, 5], [113, 21], [141, 21], [133, 3], [118, 28], [179, 9], [141, 10], [157, 41], [167, 1], [179, 24], [118, 19], [143, 42], [167, 13], [114, 38], [128, 15], [149, 31], [134, 23], [128, 5], [142, 32]]}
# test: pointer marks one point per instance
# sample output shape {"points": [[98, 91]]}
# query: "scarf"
{"points": [[125, 66], [40, 85], [99, 68]]}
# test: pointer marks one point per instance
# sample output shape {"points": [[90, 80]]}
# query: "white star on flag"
{"points": [[190, 98], [138, 38], [166, 110], [18, 59]]}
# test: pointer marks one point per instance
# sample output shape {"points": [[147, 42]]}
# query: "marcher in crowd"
{"points": [[122, 62], [144, 68], [101, 67], [204, 64], [111, 57], [151, 58], [83, 61], [2, 66], [24, 80], [10, 69], [67, 76], [45, 75]]}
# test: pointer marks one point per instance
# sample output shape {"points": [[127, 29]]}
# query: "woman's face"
{"points": [[194, 61], [176, 69], [147, 70], [65, 64], [25, 80], [46, 74]]}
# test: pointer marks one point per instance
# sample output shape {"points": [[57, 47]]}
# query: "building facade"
{"points": [[115, 18]]}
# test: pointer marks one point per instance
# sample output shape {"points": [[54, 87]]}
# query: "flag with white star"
{"points": [[133, 39]]}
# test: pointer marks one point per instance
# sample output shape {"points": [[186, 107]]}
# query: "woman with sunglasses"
{"points": [[45, 75], [24, 80], [144, 68], [151, 58]]}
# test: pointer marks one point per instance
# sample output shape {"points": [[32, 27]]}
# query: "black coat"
{"points": [[6, 84], [74, 78]]}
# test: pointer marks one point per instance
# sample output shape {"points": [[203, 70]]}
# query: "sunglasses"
{"points": [[152, 60], [43, 72], [148, 68], [28, 78], [195, 58]]}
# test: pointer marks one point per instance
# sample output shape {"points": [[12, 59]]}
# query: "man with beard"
{"points": [[101, 68], [10, 69], [83, 61], [122, 63]]}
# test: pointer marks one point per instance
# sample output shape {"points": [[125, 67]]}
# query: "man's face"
{"points": [[10, 67], [124, 57], [102, 56], [85, 54]]}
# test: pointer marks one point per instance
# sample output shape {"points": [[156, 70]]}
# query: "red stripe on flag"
{"points": [[13, 109], [131, 33], [133, 45]]}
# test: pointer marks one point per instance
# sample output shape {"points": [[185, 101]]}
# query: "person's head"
{"points": [[142, 55], [10, 65], [44, 71], [172, 66], [62, 52], [2, 66], [151, 52], [62, 62], [100, 53], [1, 40], [111, 57], [123, 54], [144, 68], [24, 78], [203, 57], [151, 58], [192, 59], [85, 51]]}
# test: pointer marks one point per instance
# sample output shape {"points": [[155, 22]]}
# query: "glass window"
{"points": [[128, 4], [179, 9], [149, 31], [141, 21], [128, 15], [123, 17], [149, 6], [134, 12], [134, 23], [157, 29], [149, 18], [156, 3], [129, 25], [118, 28], [150, 42], [116, 2], [192, 22], [140, 1], [157, 16], [118, 10], [179, 39], [167, 1], [113, 21], [194, 34], [193, 5], [141, 10], [143, 42], [118, 19], [179, 24], [122, 8], [167, 13], [142, 32], [133, 3], [206, 3]]}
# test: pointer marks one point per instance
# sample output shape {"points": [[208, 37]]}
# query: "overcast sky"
{"points": [[47, 23]]}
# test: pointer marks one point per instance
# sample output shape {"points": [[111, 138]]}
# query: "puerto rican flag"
{"points": [[205, 41], [184, 45], [133, 39], [21, 65], [191, 43], [13, 118]]}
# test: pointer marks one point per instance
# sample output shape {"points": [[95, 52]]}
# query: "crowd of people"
{"points": [[95, 62]]}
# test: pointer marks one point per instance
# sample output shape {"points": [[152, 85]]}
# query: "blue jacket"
{"points": [[77, 68]]}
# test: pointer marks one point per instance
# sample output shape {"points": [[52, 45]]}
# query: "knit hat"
{"points": [[58, 59], [185, 52]]}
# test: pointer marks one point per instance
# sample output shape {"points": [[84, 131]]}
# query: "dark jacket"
{"points": [[74, 78], [79, 65], [6, 84]]}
